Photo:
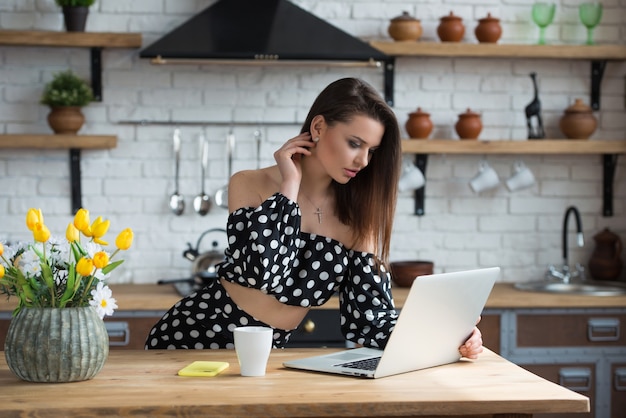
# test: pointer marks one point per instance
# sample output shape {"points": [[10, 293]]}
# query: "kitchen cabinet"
{"points": [[96, 42], [599, 55]]}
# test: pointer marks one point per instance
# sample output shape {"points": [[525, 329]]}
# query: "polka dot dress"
{"points": [[267, 251]]}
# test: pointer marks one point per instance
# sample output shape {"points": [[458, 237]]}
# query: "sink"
{"points": [[589, 288]]}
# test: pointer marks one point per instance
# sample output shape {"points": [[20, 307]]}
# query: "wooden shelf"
{"points": [[539, 146], [70, 39], [43, 141], [460, 49]]}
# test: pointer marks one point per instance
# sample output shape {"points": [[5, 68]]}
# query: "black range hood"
{"points": [[265, 30]]}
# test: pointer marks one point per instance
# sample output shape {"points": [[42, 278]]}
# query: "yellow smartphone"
{"points": [[203, 368]]}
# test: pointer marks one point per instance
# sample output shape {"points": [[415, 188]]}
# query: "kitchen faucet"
{"points": [[564, 275]]}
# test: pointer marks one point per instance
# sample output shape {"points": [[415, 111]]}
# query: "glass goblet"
{"points": [[543, 15], [590, 15]]}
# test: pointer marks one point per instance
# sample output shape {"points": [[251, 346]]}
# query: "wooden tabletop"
{"points": [[145, 383]]}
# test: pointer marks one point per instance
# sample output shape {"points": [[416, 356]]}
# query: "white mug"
{"points": [[412, 178], [486, 179], [522, 178], [253, 346]]}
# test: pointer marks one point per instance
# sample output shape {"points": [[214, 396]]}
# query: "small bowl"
{"points": [[404, 272]]}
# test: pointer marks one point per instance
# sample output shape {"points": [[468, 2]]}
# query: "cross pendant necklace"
{"points": [[319, 214]]}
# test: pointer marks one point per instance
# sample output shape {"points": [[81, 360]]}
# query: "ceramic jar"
{"points": [[451, 28], [605, 262], [419, 125], [469, 125], [578, 121], [404, 28], [488, 29]]}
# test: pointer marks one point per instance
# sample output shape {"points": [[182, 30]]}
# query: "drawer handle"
{"points": [[603, 329], [309, 326], [620, 378], [118, 330], [575, 378]]}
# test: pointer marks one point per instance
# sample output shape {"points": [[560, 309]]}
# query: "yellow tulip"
{"points": [[84, 267], [99, 228], [1, 249], [124, 239], [1, 271], [41, 233], [33, 217], [100, 259], [71, 233], [81, 220]]}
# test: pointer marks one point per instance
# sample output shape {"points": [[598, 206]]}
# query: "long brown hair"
{"points": [[366, 203]]}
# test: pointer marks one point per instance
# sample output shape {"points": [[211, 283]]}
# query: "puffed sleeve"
{"points": [[262, 243], [368, 314]]}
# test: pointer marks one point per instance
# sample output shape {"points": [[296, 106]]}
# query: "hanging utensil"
{"points": [[202, 202], [177, 202], [258, 139], [221, 195]]}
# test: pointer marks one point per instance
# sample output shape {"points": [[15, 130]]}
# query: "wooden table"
{"points": [[144, 383]]}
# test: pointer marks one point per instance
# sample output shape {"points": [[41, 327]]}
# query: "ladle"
{"points": [[202, 202], [221, 195], [177, 202]]}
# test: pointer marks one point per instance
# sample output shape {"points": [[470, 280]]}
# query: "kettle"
{"points": [[204, 263], [605, 262]]}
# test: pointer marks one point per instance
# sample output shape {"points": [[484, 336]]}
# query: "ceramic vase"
{"points": [[451, 28], [405, 28], [468, 125], [488, 29], [56, 344], [66, 120], [419, 125], [578, 121]]}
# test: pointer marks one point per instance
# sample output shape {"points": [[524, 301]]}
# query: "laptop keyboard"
{"points": [[366, 364]]}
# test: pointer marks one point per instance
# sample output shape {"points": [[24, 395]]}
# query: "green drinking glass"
{"points": [[543, 15], [590, 15]]}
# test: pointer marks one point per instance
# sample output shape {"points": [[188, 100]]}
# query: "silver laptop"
{"points": [[438, 315]]}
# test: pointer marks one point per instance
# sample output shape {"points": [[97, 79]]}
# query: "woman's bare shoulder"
{"points": [[250, 188]]}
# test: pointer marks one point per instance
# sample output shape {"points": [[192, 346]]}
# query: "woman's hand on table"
{"points": [[474, 344]]}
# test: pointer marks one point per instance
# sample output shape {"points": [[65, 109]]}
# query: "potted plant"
{"points": [[65, 95], [57, 333], [75, 13]]}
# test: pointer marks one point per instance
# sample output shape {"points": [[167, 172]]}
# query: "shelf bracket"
{"points": [[389, 70], [96, 73], [75, 179], [597, 72], [420, 161], [610, 165]]}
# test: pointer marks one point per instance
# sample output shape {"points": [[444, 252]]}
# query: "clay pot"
{"points": [[403, 273], [405, 28], [605, 262], [451, 28], [419, 125], [469, 125], [488, 29], [578, 121], [66, 120]]}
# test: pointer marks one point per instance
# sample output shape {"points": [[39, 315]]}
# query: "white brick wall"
{"points": [[130, 184]]}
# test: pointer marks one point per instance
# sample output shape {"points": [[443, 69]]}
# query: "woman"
{"points": [[315, 224]]}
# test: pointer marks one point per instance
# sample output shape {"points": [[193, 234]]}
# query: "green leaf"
{"points": [[110, 267]]}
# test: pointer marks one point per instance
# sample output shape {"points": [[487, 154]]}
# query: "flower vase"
{"points": [[56, 344]]}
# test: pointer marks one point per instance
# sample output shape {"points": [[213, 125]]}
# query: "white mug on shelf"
{"points": [[522, 177], [412, 178], [486, 179]]}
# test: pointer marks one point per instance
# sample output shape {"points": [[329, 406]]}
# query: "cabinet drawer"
{"points": [[579, 378], [618, 390], [129, 332], [490, 328], [320, 328], [571, 330]]}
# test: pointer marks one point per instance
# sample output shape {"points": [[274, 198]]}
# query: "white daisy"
{"points": [[103, 300]]}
